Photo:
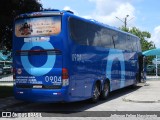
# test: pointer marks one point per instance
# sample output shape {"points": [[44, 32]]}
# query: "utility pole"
{"points": [[125, 20]]}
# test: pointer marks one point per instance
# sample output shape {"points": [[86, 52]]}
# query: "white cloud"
{"points": [[68, 8], [107, 10], [104, 7], [156, 36]]}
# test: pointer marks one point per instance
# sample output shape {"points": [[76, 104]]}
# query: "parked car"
{"points": [[151, 69], [6, 66], [1, 70]]}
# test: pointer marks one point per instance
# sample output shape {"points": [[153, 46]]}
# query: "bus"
{"points": [[61, 57]]}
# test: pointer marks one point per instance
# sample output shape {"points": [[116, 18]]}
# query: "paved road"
{"points": [[144, 97], [141, 98]]}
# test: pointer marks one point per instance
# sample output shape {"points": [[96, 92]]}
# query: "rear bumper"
{"points": [[41, 95]]}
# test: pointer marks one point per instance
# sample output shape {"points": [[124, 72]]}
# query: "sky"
{"points": [[143, 14]]}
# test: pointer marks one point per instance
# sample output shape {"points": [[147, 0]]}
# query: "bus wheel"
{"points": [[105, 91], [96, 94]]}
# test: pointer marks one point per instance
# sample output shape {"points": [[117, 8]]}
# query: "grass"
{"points": [[6, 91]]}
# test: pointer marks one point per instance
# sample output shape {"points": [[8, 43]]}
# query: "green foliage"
{"points": [[9, 9]]}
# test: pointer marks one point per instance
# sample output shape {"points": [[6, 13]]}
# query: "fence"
{"points": [[153, 77], [6, 80]]}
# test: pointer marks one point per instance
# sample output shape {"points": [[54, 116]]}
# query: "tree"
{"points": [[9, 9], [143, 35]]}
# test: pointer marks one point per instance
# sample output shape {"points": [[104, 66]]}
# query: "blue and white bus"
{"points": [[60, 57]]}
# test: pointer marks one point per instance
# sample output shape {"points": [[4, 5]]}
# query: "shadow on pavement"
{"points": [[73, 107]]}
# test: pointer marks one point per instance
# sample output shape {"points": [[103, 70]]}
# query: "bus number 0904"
{"points": [[53, 79]]}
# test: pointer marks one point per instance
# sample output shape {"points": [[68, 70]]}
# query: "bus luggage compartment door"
{"points": [[42, 67]]}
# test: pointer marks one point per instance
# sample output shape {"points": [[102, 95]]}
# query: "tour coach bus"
{"points": [[60, 57]]}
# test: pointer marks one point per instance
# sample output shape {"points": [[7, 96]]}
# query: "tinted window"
{"points": [[138, 45], [134, 44], [120, 42], [90, 34], [85, 33], [79, 31], [107, 38]]}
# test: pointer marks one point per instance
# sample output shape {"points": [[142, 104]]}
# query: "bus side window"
{"points": [[90, 37], [129, 42], [120, 42], [97, 39], [114, 38], [138, 45], [108, 37], [134, 44], [78, 31]]}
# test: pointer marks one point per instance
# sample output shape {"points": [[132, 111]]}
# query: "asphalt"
{"points": [[148, 92], [9, 102], [7, 80]]}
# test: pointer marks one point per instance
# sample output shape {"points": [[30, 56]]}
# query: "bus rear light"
{"points": [[65, 73], [65, 77]]}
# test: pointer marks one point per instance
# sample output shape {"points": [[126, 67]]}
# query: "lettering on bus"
{"points": [[76, 57], [27, 79], [56, 80], [36, 39]]}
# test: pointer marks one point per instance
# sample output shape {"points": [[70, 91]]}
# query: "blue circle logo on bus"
{"points": [[113, 54], [44, 69]]}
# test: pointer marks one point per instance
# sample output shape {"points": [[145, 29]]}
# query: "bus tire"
{"points": [[96, 93], [105, 91]]}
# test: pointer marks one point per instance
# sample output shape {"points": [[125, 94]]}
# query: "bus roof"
{"points": [[44, 13], [49, 12]]}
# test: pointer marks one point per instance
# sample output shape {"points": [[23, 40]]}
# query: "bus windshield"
{"points": [[41, 26]]}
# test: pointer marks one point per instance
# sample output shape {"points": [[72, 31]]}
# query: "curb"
{"points": [[145, 85], [137, 101], [6, 81]]}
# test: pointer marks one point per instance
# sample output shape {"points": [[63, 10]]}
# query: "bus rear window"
{"points": [[42, 26]]}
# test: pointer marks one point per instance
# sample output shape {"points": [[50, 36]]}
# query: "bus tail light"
{"points": [[65, 77]]}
